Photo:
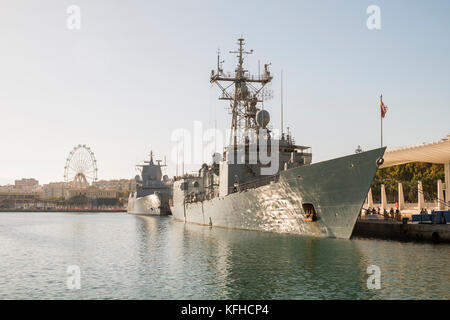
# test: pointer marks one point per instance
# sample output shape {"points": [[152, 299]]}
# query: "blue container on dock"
{"points": [[436, 217], [447, 216], [422, 218]]}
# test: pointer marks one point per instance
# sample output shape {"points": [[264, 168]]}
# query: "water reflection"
{"points": [[246, 265], [419, 271], [133, 257]]}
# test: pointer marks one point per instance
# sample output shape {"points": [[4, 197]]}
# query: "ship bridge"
{"points": [[434, 152]]}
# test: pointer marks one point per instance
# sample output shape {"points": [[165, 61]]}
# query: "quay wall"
{"points": [[394, 230]]}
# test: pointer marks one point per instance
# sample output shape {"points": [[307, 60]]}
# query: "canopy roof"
{"points": [[434, 152]]}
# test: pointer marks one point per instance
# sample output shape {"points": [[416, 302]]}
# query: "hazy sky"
{"points": [[138, 70]]}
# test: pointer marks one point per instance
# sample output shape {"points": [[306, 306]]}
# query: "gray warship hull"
{"points": [[151, 205], [336, 188]]}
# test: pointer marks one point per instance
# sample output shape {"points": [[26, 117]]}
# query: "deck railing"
{"points": [[254, 183]]}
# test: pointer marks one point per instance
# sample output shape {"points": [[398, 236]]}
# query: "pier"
{"points": [[378, 228], [407, 227], [435, 153]]}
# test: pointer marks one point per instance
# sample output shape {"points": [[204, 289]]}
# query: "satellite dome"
{"points": [[262, 118]]}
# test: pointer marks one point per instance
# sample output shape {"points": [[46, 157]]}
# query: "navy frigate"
{"points": [[153, 191], [240, 189]]}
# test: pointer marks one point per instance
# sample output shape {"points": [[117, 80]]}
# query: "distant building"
{"points": [[55, 190], [92, 193], [119, 185], [19, 199], [7, 188], [26, 183]]}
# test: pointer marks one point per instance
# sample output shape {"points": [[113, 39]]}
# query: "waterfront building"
{"points": [[19, 199]]}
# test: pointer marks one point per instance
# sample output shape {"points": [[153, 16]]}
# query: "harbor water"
{"points": [[123, 256]]}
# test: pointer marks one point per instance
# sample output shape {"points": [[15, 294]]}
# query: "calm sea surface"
{"points": [[130, 257]]}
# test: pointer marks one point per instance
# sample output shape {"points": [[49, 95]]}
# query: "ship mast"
{"points": [[157, 161], [151, 158], [243, 90]]}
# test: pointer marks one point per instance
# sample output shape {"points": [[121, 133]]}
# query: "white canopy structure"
{"points": [[434, 152]]}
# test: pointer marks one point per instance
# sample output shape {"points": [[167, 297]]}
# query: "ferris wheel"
{"points": [[81, 166]]}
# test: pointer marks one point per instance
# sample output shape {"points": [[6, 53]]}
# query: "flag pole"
{"points": [[381, 119]]}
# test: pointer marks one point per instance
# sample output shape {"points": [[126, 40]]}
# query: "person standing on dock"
{"points": [[398, 216]]}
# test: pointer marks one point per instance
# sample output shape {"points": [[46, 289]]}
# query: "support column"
{"points": [[420, 198], [370, 199], [447, 184], [383, 197], [401, 197], [440, 195]]}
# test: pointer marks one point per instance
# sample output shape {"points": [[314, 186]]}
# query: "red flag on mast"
{"points": [[383, 107]]}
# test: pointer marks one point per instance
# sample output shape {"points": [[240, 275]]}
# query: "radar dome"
{"points": [[262, 118]]}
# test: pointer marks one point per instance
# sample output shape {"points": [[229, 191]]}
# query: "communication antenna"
{"points": [[176, 170], [182, 166], [282, 130], [259, 69], [219, 62], [215, 135]]}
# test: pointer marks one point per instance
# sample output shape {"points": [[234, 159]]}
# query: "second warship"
{"points": [[153, 191], [240, 189]]}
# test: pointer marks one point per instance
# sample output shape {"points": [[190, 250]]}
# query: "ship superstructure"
{"points": [[264, 180], [153, 190]]}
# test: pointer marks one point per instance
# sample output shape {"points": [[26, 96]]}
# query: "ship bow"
{"points": [[336, 189]]}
